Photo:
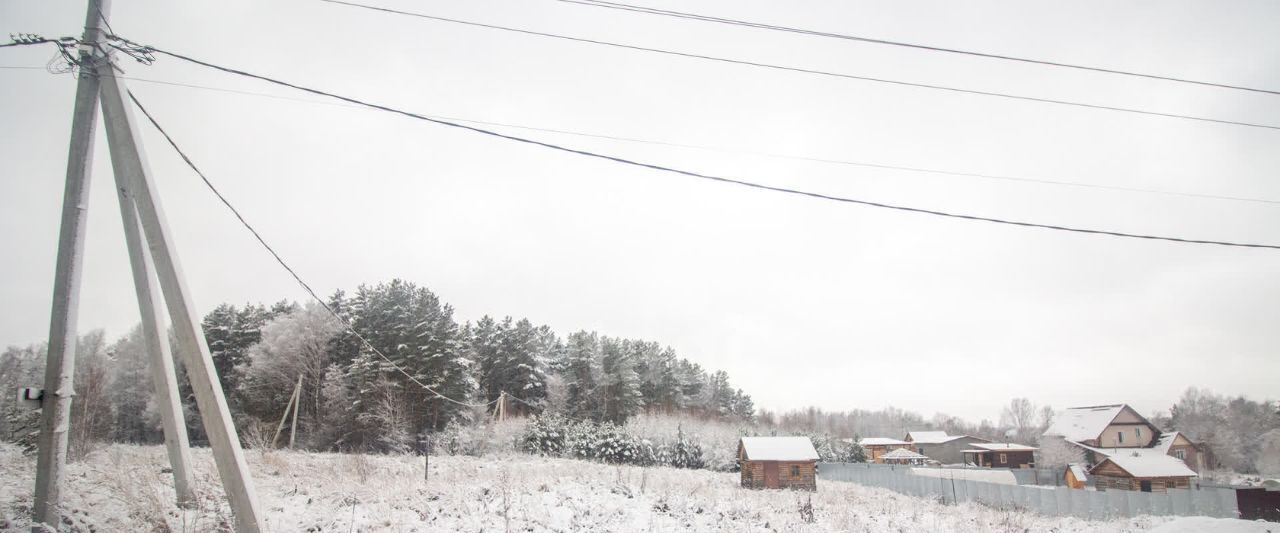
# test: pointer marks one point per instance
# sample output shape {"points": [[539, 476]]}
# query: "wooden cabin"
{"points": [[1075, 476], [1148, 470], [778, 463], [876, 447], [1001, 455]]}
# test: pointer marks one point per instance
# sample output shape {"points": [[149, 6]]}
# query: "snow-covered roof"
{"points": [[931, 437], [779, 449], [902, 453], [1083, 423], [1147, 464], [881, 441], [1077, 470], [1165, 441], [1003, 447]]}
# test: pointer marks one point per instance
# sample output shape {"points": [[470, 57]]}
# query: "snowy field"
{"points": [[121, 488]]}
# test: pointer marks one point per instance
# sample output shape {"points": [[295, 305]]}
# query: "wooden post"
{"points": [[59, 388], [163, 373], [297, 406], [125, 143], [284, 416]]}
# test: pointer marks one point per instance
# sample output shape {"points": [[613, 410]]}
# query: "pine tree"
{"points": [[621, 395], [524, 356], [582, 374]]}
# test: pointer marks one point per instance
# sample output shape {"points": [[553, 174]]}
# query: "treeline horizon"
{"points": [[352, 398]]}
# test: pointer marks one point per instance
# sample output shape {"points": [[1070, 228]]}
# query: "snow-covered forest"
{"points": [[352, 399]]}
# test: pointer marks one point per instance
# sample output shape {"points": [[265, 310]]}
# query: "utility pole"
{"points": [[297, 404], [60, 363], [284, 417], [133, 174], [163, 374]]}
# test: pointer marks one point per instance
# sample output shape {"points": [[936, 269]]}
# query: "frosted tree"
{"points": [[411, 327], [525, 354], [620, 393], [1055, 452], [1020, 415], [582, 375], [132, 391], [291, 346]]}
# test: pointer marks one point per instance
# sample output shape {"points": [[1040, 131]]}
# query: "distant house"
{"points": [[1104, 426], [1176, 444], [876, 447], [903, 456], [1001, 455], [941, 447], [1146, 470], [778, 463], [1076, 476]]}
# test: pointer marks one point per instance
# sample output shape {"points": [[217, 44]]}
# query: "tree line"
{"points": [[370, 392]]}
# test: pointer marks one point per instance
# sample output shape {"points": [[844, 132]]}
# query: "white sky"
{"points": [[803, 302]]}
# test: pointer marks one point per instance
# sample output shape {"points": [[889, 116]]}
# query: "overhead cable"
{"points": [[720, 179], [785, 68], [793, 157], [306, 287], [773, 27]]}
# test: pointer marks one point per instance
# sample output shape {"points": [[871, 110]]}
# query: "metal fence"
{"points": [[1049, 500]]}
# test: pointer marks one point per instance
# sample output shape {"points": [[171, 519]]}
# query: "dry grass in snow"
{"points": [[121, 488]]}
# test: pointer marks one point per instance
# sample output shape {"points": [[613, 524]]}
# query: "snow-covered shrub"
{"points": [[545, 435]]}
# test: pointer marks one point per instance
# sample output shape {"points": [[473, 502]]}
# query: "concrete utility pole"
{"points": [[133, 175], [60, 363], [159, 356], [143, 220]]}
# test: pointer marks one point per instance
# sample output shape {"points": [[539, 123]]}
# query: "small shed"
{"points": [[1001, 455], [903, 456], [778, 463], [1076, 476], [1141, 471]]}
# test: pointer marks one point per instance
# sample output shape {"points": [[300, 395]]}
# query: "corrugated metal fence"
{"points": [[1049, 500]]}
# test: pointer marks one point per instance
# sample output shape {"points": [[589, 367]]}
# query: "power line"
{"points": [[763, 26], [687, 173], [280, 260], [773, 66], [658, 142]]}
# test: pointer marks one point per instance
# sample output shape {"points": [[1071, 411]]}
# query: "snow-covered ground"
{"points": [[121, 488]]}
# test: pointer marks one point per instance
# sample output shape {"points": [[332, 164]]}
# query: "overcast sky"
{"points": [[803, 302]]}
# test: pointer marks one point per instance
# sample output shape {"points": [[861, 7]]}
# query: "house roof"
{"points": [[779, 449], [930, 437], [1149, 463], [902, 453], [1166, 440], [1077, 470], [1087, 423], [881, 441], [1003, 447]]}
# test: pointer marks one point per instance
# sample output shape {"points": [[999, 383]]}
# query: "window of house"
{"points": [[1180, 454], [1120, 437], [795, 471], [1004, 459], [1137, 432]]}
